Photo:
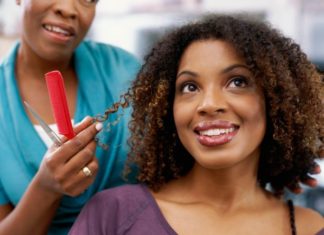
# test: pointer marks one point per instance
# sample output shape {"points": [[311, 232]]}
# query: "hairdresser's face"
{"points": [[219, 111], [54, 28]]}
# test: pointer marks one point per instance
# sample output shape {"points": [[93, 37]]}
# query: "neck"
{"points": [[33, 66], [223, 187], [226, 189]]}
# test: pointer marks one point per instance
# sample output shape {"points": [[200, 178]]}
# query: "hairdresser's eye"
{"points": [[188, 88], [238, 82], [88, 2]]}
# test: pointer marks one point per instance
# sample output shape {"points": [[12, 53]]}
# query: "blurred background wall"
{"points": [[136, 25]]}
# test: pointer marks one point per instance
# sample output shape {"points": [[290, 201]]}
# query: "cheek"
{"points": [[84, 26], [251, 106], [255, 114], [181, 120], [31, 27], [87, 19], [176, 114], [182, 112]]}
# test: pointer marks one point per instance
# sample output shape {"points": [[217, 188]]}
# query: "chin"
{"points": [[225, 160], [217, 162], [57, 55]]}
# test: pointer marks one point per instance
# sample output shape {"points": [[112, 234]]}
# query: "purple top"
{"points": [[320, 232], [128, 209]]}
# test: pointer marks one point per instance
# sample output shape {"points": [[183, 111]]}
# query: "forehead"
{"points": [[212, 52]]}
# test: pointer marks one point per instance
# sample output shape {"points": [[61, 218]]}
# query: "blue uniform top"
{"points": [[104, 72]]}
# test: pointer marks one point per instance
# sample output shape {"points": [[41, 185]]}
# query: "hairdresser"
{"points": [[43, 187]]}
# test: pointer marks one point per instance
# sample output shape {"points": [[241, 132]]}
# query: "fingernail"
{"points": [[99, 126], [84, 119]]}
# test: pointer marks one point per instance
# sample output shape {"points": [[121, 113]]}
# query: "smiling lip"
{"points": [[59, 32], [215, 133]]}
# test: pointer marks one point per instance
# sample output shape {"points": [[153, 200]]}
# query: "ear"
{"points": [[18, 2]]}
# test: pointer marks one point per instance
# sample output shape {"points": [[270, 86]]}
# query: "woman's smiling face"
{"points": [[219, 110], [52, 29]]}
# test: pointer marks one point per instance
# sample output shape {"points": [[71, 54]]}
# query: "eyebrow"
{"points": [[234, 66], [226, 70], [187, 72]]}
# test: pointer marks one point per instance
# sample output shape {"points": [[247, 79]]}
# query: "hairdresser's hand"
{"points": [[61, 172], [307, 180]]}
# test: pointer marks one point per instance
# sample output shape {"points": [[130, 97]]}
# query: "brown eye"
{"points": [[88, 2], [189, 87], [238, 82]]}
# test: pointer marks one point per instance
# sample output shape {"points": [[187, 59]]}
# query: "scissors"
{"points": [[51, 134]]}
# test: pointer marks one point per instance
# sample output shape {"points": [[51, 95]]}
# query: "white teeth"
{"points": [[57, 30], [215, 132]]}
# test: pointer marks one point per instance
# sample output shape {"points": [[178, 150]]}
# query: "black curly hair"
{"points": [[293, 92]]}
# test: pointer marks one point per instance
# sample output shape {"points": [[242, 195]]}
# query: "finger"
{"points": [[296, 190], [294, 187], [316, 170], [80, 188], [75, 145], [81, 159], [83, 138], [87, 121], [310, 181], [81, 181], [77, 128], [92, 167]]}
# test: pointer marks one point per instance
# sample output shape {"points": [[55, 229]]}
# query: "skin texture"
{"points": [[70, 15], [42, 51], [273, 100], [217, 87]]}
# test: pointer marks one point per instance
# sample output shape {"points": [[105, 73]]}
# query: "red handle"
{"points": [[56, 90]]}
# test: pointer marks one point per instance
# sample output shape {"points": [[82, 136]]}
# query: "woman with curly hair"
{"points": [[227, 112]]}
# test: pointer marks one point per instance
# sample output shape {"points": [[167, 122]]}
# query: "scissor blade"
{"points": [[43, 124]]}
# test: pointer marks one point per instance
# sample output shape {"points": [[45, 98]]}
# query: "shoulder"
{"points": [[106, 51], [8, 60], [109, 61], [308, 221], [120, 193], [112, 211], [122, 199], [122, 210], [7, 66]]}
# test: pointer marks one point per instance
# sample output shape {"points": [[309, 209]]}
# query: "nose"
{"points": [[66, 8], [212, 102]]}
